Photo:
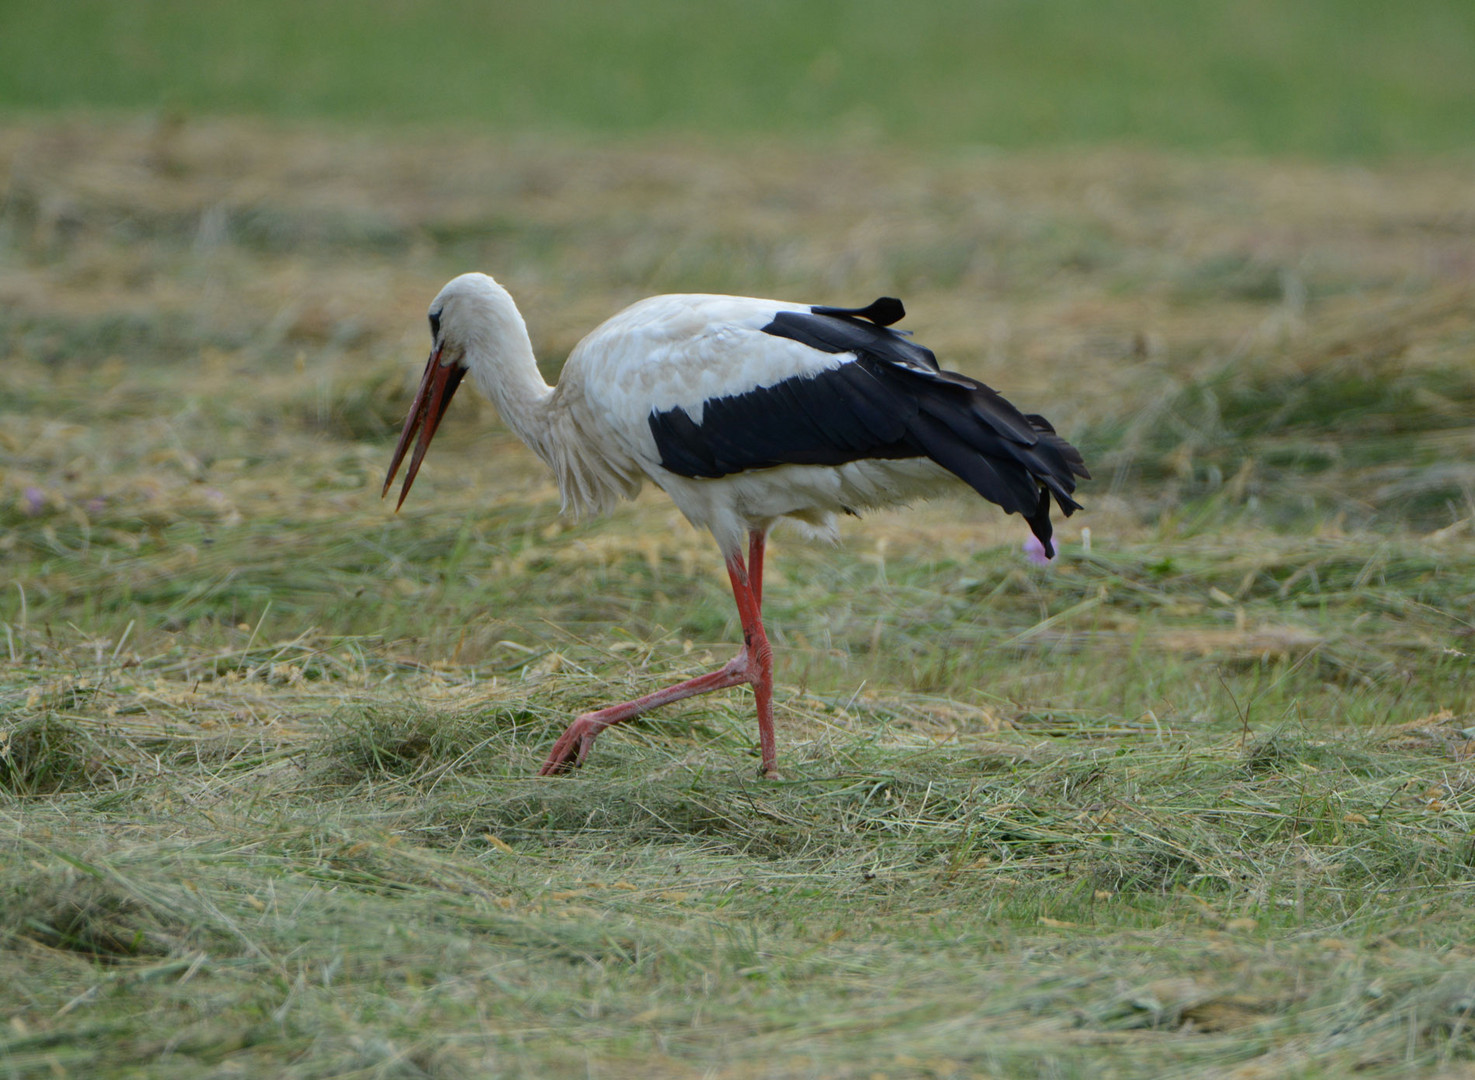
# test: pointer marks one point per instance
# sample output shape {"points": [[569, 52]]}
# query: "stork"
{"points": [[745, 412]]}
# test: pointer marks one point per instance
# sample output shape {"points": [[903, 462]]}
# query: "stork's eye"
{"points": [[435, 324]]}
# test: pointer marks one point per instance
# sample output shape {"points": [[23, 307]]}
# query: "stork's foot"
{"points": [[572, 747]]}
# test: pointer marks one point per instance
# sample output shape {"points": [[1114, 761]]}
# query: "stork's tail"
{"points": [[1061, 464]]}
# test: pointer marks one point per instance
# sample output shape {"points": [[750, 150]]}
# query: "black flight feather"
{"points": [[891, 401], [882, 311]]}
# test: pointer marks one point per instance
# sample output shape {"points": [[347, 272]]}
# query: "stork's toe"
{"points": [[570, 750]]}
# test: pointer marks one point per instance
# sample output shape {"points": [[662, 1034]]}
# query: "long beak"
{"points": [[437, 387]]}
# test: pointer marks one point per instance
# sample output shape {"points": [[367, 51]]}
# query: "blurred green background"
{"points": [[1325, 78]]}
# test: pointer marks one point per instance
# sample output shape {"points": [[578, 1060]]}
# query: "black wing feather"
{"points": [[883, 311], [842, 334], [891, 401]]}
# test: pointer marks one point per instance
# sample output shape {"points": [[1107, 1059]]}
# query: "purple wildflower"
{"points": [[1034, 551]]}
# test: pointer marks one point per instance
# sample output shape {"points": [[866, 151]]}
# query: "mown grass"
{"points": [[1338, 78], [1193, 801]]}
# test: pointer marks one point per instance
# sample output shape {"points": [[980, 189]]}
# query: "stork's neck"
{"points": [[499, 357], [498, 353]]}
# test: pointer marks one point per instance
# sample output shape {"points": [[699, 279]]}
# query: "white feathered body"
{"points": [[665, 353]]}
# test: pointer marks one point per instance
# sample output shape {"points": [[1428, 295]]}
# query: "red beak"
{"points": [[437, 387]]}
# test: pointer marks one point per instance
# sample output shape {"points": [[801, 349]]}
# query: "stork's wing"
{"points": [[886, 397]]}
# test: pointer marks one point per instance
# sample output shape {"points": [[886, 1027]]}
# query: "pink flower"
{"points": [[1034, 551]]}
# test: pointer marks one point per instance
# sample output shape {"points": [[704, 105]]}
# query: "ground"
{"points": [[1195, 800]]}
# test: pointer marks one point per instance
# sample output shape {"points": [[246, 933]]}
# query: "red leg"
{"points": [[755, 565], [760, 655], [573, 746], [754, 665]]}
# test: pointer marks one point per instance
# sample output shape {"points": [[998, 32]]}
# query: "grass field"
{"points": [[1194, 801], [1350, 79]]}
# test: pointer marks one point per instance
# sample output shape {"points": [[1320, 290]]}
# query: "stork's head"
{"points": [[468, 319]]}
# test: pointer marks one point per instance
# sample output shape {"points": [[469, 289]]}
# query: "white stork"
{"points": [[745, 412]]}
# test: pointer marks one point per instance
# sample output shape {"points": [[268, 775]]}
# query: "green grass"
{"points": [[1034, 906], [1338, 78], [1194, 801]]}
